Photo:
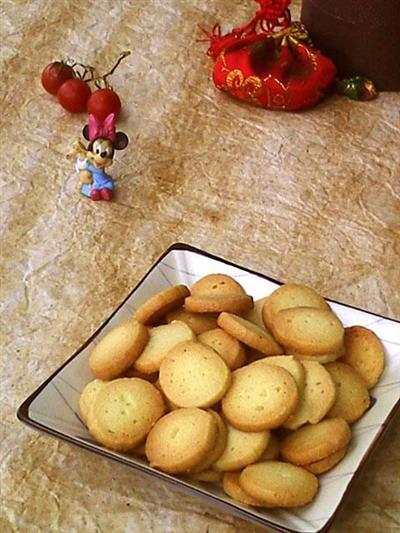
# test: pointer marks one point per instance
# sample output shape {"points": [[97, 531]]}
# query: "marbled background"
{"points": [[313, 197]]}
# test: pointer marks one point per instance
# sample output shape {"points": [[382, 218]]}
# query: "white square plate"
{"points": [[53, 407]]}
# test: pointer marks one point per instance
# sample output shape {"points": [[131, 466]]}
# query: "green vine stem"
{"points": [[90, 75], [98, 80]]}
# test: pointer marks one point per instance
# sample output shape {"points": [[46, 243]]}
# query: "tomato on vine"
{"points": [[55, 74], [73, 95], [102, 102], [70, 82]]}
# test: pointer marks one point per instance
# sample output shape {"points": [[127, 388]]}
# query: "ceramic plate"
{"points": [[53, 407]]}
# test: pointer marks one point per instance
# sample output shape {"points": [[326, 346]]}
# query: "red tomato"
{"points": [[103, 102], [73, 95], [55, 74]]}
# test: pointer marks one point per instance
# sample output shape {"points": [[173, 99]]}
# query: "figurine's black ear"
{"points": [[85, 132], [121, 141]]}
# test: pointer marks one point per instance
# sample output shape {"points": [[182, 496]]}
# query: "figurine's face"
{"points": [[101, 153]]}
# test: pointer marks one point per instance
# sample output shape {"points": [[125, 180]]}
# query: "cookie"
{"points": [[216, 285], [260, 397], [308, 330], [197, 322], [321, 358], [317, 399], [278, 484], [289, 363], [180, 440], [170, 405], [194, 375], [242, 448], [249, 334], [319, 467], [288, 296], [352, 398], [216, 293], [311, 443], [160, 304], [118, 350], [229, 348], [123, 412], [364, 352], [272, 451], [217, 304], [209, 476], [162, 340], [219, 447], [234, 490], [87, 397], [255, 314]]}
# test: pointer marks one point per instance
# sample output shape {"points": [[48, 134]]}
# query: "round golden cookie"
{"points": [[279, 484], [352, 397], [320, 358], [180, 440], [216, 285], [219, 447], [308, 330], [118, 350], [161, 303], [288, 296], [238, 303], [364, 352], [194, 375], [317, 398], [197, 322], [170, 405], [229, 348], [272, 451], [255, 314], [289, 363], [260, 397], [209, 476], [234, 490], [87, 397], [216, 293], [249, 333], [311, 443], [319, 467], [162, 340], [123, 412], [242, 449]]}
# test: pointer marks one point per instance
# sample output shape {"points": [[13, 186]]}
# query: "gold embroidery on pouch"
{"points": [[234, 79], [252, 85], [223, 59]]}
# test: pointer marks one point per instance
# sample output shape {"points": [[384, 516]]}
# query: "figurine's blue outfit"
{"points": [[101, 180]]}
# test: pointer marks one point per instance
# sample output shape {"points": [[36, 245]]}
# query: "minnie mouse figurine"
{"points": [[93, 160]]}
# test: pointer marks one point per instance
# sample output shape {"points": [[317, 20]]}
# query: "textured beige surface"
{"points": [[311, 197]]}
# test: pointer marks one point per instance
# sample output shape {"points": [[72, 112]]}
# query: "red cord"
{"points": [[273, 14], [272, 10]]}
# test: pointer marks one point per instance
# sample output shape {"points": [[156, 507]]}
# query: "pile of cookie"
{"points": [[255, 396]]}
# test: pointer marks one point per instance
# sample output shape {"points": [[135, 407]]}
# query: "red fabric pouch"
{"points": [[271, 62]]}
